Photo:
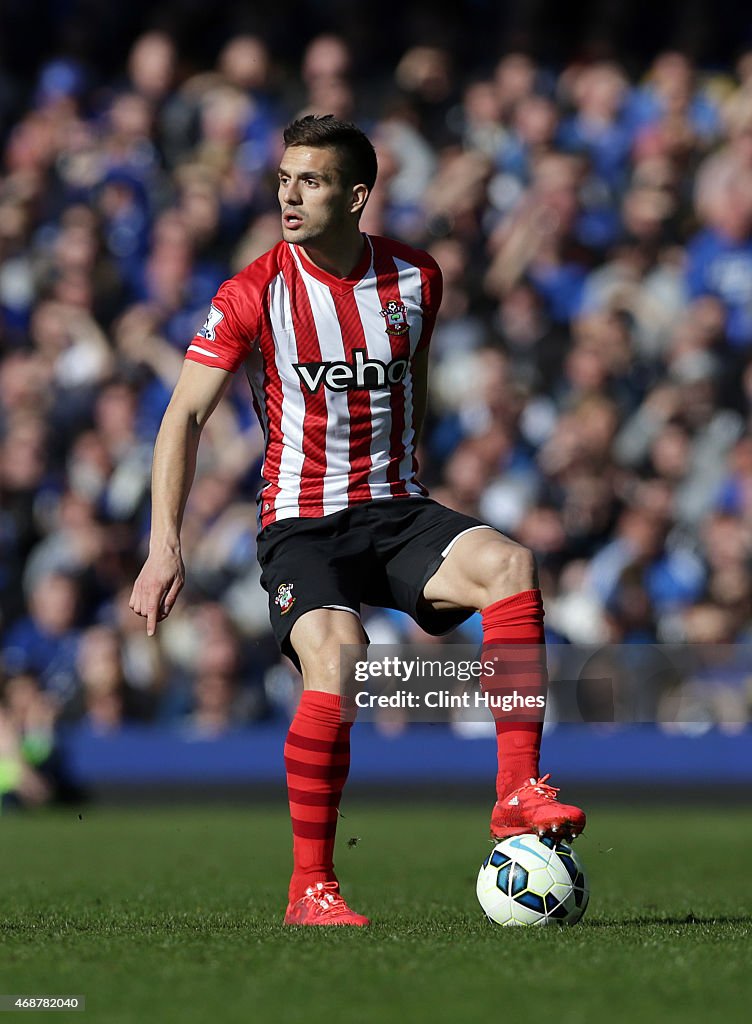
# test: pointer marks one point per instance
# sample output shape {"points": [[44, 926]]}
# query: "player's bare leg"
{"points": [[487, 571], [322, 638], [317, 759]]}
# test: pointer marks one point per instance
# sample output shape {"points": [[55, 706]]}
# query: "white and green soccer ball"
{"points": [[526, 880]]}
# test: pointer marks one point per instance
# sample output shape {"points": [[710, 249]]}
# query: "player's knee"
{"points": [[509, 568], [328, 656], [322, 672]]}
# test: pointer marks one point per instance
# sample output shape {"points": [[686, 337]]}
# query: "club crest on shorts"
{"points": [[284, 598], [395, 314]]}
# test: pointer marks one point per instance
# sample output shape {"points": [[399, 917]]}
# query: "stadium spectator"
{"points": [[30, 771], [104, 701], [20, 784], [45, 642], [596, 129], [719, 259]]}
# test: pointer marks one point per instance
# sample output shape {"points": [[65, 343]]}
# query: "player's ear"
{"points": [[359, 198]]}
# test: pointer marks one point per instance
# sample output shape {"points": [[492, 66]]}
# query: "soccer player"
{"points": [[332, 327]]}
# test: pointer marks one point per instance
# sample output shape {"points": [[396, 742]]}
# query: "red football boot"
{"points": [[535, 808], [322, 904]]}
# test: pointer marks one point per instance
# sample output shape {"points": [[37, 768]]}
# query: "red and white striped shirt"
{"points": [[329, 361]]}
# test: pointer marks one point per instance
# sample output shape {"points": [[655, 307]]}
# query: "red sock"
{"points": [[517, 620], [317, 759]]}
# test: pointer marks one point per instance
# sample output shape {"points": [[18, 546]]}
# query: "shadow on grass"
{"points": [[648, 920]]}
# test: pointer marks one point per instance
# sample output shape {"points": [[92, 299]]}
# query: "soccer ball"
{"points": [[527, 880]]}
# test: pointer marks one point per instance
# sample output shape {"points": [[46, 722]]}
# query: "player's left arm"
{"points": [[419, 371], [432, 292]]}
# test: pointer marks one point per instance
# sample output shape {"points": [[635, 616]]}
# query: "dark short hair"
{"points": [[359, 164]]}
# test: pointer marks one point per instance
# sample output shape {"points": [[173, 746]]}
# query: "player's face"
{"points": [[316, 204]]}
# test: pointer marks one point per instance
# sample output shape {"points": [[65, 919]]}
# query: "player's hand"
{"points": [[157, 588]]}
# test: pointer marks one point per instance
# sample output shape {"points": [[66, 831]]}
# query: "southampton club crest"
{"points": [[395, 314], [284, 598]]}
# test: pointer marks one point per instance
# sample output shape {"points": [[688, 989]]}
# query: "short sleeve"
{"points": [[229, 331]]}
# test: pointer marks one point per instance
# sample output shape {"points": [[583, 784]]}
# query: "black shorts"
{"points": [[379, 553]]}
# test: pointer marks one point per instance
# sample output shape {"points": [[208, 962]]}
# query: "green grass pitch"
{"points": [[174, 915]]}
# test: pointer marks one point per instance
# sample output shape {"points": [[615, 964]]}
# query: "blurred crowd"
{"points": [[591, 379]]}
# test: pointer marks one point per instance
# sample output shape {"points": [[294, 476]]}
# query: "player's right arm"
{"points": [[215, 354], [196, 395]]}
